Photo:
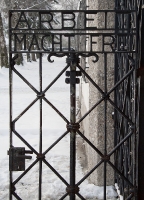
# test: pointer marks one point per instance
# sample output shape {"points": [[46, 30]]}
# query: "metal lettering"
{"points": [[69, 40], [50, 19], [16, 39], [88, 19], [110, 44], [42, 41], [56, 42], [92, 42], [23, 19], [68, 19], [34, 42], [53, 42]]}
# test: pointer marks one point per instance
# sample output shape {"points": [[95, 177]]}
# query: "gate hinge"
{"points": [[17, 158]]}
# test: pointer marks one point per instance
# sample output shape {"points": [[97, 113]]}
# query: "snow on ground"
{"points": [[28, 127]]}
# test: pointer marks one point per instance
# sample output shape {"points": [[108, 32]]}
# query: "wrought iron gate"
{"points": [[123, 43]]}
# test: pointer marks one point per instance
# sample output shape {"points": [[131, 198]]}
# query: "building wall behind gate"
{"points": [[93, 126]]}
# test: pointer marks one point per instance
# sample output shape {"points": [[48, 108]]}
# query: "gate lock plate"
{"points": [[17, 158]]}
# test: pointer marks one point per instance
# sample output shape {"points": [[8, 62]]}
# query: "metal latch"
{"points": [[17, 158]]}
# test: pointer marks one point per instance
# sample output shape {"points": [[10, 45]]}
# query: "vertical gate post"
{"points": [[141, 143], [73, 126], [141, 119], [72, 132]]}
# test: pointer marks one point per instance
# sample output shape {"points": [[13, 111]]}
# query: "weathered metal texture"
{"points": [[126, 99], [140, 93], [17, 158], [123, 45]]}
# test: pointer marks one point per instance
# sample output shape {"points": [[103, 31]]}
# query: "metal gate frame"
{"points": [[126, 50]]}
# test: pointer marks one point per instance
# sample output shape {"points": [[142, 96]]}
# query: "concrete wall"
{"points": [[94, 126]]}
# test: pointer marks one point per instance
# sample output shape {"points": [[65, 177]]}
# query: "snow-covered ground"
{"points": [[28, 127]]}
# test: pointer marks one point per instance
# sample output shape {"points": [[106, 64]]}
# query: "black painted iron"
{"points": [[141, 112], [124, 45]]}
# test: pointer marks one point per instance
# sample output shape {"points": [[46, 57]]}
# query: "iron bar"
{"points": [[60, 138], [40, 136], [130, 196], [10, 105], [105, 180], [79, 52], [10, 116], [141, 122], [56, 173], [118, 11], [90, 110], [27, 82], [25, 142], [25, 172], [120, 143], [80, 196], [121, 112], [90, 79], [89, 173], [123, 107], [16, 196], [121, 80], [57, 111], [105, 124], [25, 110], [90, 143], [122, 176], [110, 33], [72, 121], [57, 77], [63, 197]]}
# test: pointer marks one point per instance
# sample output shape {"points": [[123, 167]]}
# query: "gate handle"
{"points": [[28, 151], [23, 156]]}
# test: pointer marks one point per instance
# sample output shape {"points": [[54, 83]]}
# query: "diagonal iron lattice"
{"points": [[124, 46]]}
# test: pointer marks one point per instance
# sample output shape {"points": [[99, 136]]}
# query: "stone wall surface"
{"points": [[96, 125], [3, 49]]}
